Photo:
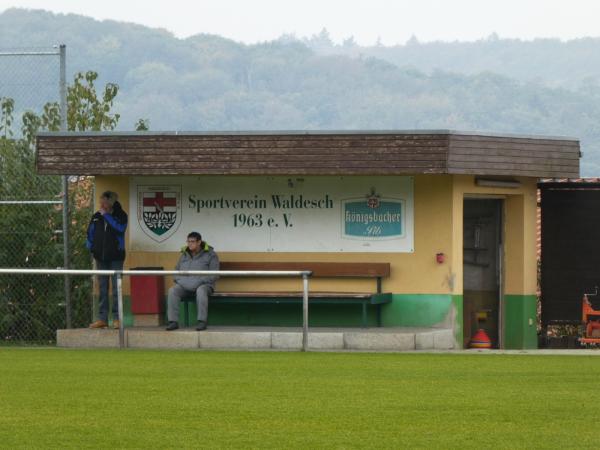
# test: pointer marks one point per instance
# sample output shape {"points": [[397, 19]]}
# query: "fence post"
{"points": [[63, 87], [65, 183], [304, 312], [121, 318]]}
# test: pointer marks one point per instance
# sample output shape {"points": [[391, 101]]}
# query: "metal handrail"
{"points": [[224, 273]]}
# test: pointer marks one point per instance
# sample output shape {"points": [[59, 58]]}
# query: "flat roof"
{"points": [[482, 133], [307, 152]]}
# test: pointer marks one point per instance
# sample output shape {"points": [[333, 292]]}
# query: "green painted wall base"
{"points": [[273, 315], [520, 312], [416, 310], [406, 310], [283, 315]]}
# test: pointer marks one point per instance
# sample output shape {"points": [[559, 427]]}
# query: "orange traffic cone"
{"points": [[481, 340]]}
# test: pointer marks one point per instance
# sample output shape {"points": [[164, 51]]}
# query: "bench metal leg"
{"points": [[364, 314]]}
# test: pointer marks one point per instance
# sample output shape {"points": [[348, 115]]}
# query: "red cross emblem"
{"points": [[160, 202]]}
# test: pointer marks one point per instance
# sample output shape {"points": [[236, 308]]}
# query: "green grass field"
{"points": [[56, 398]]}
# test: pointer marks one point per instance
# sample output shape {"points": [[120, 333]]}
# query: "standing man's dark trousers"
{"points": [[103, 281], [177, 292]]}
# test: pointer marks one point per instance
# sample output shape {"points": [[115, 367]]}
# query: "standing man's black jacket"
{"points": [[106, 234]]}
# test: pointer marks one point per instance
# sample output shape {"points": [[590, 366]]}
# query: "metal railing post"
{"points": [[304, 312], [121, 317]]}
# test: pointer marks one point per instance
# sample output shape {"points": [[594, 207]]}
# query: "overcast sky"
{"points": [[393, 21]]}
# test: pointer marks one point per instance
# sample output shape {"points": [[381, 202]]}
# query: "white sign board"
{"points": [[273, 214]]}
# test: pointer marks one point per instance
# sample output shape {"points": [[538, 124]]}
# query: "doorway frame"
{"points": [[501, 255]]}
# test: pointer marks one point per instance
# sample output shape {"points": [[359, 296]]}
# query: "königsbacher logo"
{"points": [[373, 217]]}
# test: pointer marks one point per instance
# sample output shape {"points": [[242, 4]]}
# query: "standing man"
{"points": [[198, 255], [106, 241]]}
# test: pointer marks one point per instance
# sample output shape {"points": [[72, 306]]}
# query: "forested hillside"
{"points": [[573, 64]]}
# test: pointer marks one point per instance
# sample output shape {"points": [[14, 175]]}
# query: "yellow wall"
{"points": [[520, 264], [438, 205]]}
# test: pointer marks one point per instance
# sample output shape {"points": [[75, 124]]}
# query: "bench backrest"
{"points": [[319, 269]]}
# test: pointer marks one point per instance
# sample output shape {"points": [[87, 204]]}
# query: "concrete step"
{"points": [[264, 338]]}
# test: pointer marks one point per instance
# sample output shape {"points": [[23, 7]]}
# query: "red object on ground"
{"points": [[147, 292], [481, 340], [591, 320]]}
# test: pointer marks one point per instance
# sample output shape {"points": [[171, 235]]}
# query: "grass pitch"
{"points": [[57, 398]]}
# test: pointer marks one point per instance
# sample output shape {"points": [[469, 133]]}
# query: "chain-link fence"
{"points": [[32, 231]]}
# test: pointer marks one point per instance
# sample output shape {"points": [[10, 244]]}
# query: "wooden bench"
{"points": [[375, 271]]}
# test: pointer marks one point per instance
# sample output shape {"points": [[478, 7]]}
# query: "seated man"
{"points": [[198, 255]]}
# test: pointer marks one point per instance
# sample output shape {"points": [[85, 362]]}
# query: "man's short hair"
{"points": [[111, 196], [194, 235]]}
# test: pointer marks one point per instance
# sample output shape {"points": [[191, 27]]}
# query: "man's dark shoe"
{"points": [[172, 326], [201, 326]]}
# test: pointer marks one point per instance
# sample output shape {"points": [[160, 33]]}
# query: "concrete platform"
{"points": [[264, 338]]}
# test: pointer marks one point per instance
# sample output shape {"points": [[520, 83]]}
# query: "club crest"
{"points": [[373, 199], [159, 210]]}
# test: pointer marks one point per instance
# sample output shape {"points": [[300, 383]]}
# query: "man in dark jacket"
{"points": [[106, 241], [198, 255]]}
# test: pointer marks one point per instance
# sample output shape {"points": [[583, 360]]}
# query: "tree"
{"points": [[31, 310], [142, 125], [29, 306], [85, 111], [7, 106]]}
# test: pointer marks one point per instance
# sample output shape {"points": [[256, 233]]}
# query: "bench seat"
{"points": [[375, 271]]}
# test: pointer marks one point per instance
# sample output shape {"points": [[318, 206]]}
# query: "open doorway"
{"points": [[482, 268]]}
